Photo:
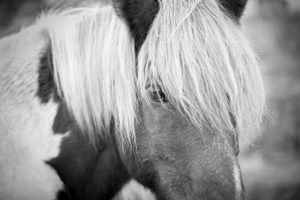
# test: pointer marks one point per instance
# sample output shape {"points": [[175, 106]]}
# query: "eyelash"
{"points": [[158, 96]]}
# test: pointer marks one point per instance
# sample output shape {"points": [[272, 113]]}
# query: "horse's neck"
{"points": [[19, 61]]}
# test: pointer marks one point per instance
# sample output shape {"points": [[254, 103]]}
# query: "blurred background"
{"points": [[271, 164]]}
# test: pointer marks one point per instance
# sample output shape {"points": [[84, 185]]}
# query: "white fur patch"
{"points": [[26, 137], [237, 181]]}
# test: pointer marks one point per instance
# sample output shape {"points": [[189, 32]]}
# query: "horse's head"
{"points": [[180, 82], [199, 89]]}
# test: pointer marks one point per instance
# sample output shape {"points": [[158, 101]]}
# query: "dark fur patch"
{"points": [[89, 171], [46, 86], [63, 195], [63, 121], [139, 15], [234, 7]]}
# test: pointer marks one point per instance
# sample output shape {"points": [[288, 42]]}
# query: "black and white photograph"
{"points": [[149, 99]]}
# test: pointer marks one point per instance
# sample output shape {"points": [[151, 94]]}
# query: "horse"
{"points": [[157, 91]]}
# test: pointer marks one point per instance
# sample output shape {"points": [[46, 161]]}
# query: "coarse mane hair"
{"points": [[200, 58], [194, 52], [94, 68]]}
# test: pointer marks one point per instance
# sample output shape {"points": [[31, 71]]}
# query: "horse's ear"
{"points": [[139, 14], [234, 7]]}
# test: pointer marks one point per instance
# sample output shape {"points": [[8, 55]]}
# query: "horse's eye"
{"points": [[158, 96]]}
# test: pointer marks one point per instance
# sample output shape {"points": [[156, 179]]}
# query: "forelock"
{"points": [[200, 58]]}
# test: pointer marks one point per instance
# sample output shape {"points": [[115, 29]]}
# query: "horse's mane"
{"points": [[94, 68], [201, 59], [194, 52]]}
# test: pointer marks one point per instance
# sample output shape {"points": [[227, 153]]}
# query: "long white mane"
{"points": [[94, 68], [194, 52]]}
